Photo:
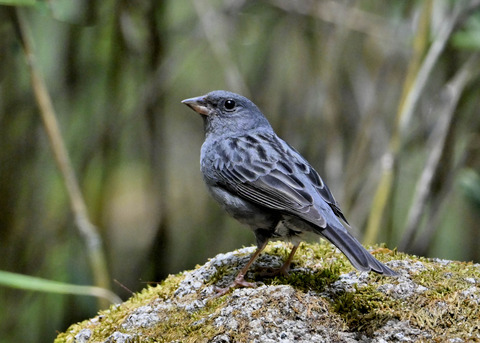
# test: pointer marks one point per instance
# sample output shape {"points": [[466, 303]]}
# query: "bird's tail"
{"points": [[355, 252]]}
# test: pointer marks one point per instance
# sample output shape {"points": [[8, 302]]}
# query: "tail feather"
{"points": [[355, 252]]}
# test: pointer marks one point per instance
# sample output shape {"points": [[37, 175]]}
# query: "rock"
{"points": [[83, 336], [323, 300]]}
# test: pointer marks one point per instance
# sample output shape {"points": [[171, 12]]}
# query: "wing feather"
{"points": [[274, 175]]}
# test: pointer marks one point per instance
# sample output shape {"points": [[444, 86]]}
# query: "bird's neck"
{"points": [[218, 131]]}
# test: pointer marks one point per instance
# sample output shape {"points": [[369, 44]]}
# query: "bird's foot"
{"points": [[238, 282], [283, 270]]}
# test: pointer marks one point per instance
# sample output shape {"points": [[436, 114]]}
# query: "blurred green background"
{"points": [[382, 97]]}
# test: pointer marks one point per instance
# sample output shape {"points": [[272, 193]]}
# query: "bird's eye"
{"points": [[229, 104]]}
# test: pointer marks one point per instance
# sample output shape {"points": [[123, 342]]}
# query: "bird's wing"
{"points": [[265, 170]]}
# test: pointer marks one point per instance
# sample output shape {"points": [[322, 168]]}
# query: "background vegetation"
{"points": [[381, 97]]}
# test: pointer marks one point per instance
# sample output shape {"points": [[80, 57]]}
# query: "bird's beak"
{"points": [[198, 104]]}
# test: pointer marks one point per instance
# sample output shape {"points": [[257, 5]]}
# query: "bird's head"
{"points": [[227, 113]]}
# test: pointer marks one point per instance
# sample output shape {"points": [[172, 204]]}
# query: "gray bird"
{"points": [[263, 182]]}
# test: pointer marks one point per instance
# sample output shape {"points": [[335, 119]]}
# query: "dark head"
{"points": [[227, 113]]}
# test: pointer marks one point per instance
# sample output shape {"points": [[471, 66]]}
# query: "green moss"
{"points": [[181, 325], [221, 272], [443, 308], [108, 320], [446, 304], [364, 310], [305, 281]]}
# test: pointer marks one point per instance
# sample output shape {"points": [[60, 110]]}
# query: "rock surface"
{"points": [[323, 300]]}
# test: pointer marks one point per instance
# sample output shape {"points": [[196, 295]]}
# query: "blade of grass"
{"points": [[18, 2], [414, 89], [461, 13], [88, 231], [385, 186], [31, 283], [438, 144]]}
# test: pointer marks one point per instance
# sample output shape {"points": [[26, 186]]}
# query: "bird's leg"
{"points": [[283, 270], [240, 278], [286, 266]]}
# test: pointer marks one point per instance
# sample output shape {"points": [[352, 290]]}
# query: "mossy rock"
{"points": [[323, 300]]}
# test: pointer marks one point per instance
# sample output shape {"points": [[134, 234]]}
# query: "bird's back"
{"points": [[263, 169]]}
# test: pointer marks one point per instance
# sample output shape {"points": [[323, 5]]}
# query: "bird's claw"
{"points": [[238, 282]]}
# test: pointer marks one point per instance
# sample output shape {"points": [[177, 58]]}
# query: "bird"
{"points": [[264, 183]]}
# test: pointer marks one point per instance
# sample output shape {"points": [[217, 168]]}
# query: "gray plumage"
{"points": [[263, 182]]}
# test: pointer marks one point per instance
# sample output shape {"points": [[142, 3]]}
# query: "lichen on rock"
{"points": [[322, 300]]}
